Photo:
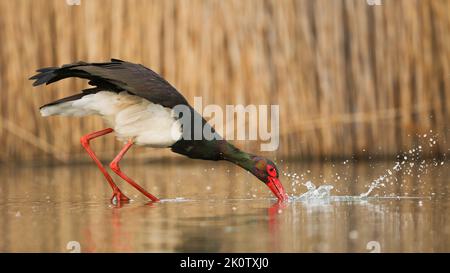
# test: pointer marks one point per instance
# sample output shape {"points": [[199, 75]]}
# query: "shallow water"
{"points": [[215, 207]]}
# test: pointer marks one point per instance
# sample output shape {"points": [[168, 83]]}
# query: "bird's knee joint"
{"points": [[84, 141], [114, 166]]}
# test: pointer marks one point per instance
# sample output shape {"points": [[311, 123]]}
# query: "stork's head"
{"points": [[263, 168], [267, 172]]}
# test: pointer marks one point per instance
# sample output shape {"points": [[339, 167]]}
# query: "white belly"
{"points": [[130, 116]]}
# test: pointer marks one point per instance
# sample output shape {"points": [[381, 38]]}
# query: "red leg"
{"points": [[115, 167], [117, 194]]}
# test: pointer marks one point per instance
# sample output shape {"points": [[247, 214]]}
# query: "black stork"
{"points": [[139, 104]]}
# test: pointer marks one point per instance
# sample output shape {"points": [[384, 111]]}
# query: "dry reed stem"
{"points": [[348, 76]]}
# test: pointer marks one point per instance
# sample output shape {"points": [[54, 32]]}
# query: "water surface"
{"points": [[215, 207]]}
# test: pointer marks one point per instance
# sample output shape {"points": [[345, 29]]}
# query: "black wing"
{"points": [[116, 76]]}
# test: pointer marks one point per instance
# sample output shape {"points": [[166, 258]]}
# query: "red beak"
{"points": [[277, 188]]}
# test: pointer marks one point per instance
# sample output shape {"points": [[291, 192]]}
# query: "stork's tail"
{"points": [[50, 75]]}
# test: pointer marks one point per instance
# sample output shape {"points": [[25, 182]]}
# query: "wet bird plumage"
{"points": [[125, 94]]}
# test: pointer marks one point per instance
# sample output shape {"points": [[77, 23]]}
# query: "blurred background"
{"points": [[355, 82], [351, 79]]}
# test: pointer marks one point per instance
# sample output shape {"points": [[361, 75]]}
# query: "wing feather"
{"points": [[116, 76]]}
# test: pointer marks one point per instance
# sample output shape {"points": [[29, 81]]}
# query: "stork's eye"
{"points": [[271, 171]]}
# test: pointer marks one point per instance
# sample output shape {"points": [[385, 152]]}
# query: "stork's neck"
{"points": [[236, 156]]}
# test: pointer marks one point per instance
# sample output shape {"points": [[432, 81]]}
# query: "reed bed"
{"points": [[351, 79]]}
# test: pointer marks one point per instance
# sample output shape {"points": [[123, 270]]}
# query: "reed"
{"points": [[351, 79]]}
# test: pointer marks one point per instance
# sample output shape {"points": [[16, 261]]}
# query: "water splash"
{"points": [[410, 163], [322, 195], [314, 193]]}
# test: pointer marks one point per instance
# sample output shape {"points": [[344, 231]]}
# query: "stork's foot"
{"points": [[118, 198]]}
